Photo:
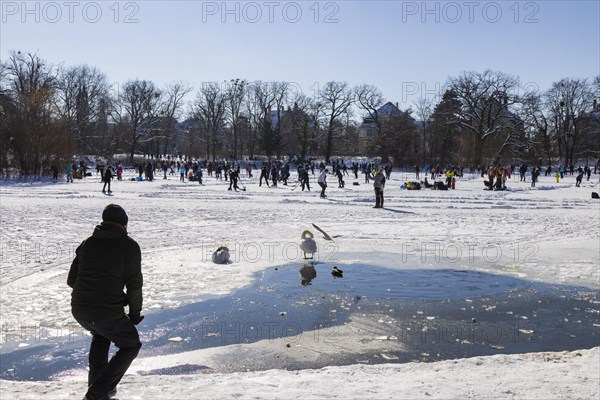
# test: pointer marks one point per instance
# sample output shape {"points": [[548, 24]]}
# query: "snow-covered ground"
{"points": [[505, 241]]}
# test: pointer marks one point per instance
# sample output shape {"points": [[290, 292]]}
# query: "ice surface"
{"points": [[464, 252]]}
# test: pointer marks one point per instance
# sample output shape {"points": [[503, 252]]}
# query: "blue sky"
{"points": [[406, 48]]}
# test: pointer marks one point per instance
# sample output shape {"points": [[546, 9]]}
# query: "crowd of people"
{"points": [[275, 173]]}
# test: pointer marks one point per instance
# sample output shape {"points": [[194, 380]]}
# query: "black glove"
{"points": [[136, 318]]}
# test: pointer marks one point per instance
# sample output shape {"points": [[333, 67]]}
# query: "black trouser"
{"points": [[261, 178], [305, 183], [105, 375], [378, 197], [104, 187], [323, 187]]}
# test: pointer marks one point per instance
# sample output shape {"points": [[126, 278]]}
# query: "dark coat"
{"points": [[107, 175], [105, 263]]}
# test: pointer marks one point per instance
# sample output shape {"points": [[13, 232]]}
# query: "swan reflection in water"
{"points": [[307, 274]]}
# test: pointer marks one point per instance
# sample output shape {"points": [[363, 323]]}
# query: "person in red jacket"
{"points": [[106, 263]]}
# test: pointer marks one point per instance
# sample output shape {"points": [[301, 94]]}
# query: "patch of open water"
{"points": [[405, 315]]}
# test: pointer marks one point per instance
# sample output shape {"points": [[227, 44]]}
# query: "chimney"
{"points": [[397, 106]]}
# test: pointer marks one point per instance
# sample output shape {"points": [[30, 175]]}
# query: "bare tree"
{"points": [[170, 110], [280, 93], [567, 100], [537, 124], [85, 104], [423, 111], [138, 113], [369, 99], [337, 99], [211, 108], [444, 128], [255, 117], [8, 119], [261, 101], [298, 124], [236, 93], [397, 139], [35, 137], [485, 100]]}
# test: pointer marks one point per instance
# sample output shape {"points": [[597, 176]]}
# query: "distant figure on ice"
{"points": [[304, 179], [427, 184], [322, 181], [388, 171], [234, 176], [340, 177], [69, 173], [199, 176], [588, 172], [379, 184], [522, 172], [54, 170], [534, 175], [106, 177], [285, 173], [106, 263], [355, 170], [578, 179], [274, 175], [264, 174]]}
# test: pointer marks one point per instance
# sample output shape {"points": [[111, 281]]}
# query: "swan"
{"points": [[308, 244], [221, 255]]}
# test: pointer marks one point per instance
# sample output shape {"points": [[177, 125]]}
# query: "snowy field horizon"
{"points": [[464, 293]]}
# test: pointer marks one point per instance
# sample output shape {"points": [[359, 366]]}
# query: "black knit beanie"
{"points": [[114, 213]]}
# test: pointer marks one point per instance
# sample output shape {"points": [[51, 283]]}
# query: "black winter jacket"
{"points": [[105, 264]]}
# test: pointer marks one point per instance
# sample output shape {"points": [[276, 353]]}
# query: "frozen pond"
{"points": [[393, 316]]}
